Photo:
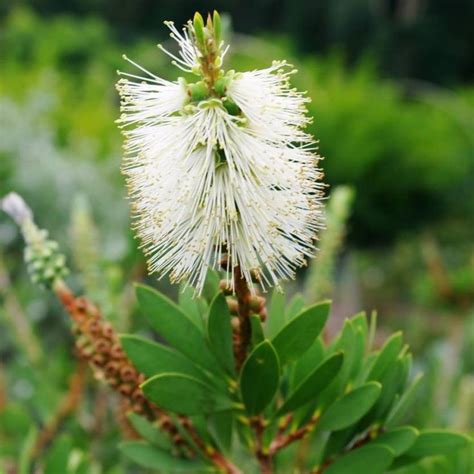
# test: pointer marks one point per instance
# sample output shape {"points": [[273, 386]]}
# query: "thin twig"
{"points": [[99, 345]]}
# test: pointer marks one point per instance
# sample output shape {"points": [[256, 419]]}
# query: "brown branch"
{"points": [[265, 459], [98, 343], [282, 440], [243, 295], [66, 408], [215, 456]]}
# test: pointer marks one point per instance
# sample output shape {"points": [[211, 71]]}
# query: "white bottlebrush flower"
{"points": [[222, 167]]}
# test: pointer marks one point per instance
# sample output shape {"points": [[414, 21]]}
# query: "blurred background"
{"points": [[392, 89]]}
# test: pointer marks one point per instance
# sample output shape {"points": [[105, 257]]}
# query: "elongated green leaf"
{"points": [[257, 330], [184, 395], [373, 459], [350, 408], [172, 324], [347, 343], [401, 408], [399, 439], [260, 378], [219, 331], [276, 313], [25, 458], [295, 306], [192, 305], [387, 356], [152, 358], [392, 382], [309, 389], [149, 432], [307, 363], [151, 457], [221, 426], [437, 442], [299, 334], [211, 285], [57, 456], [359, 320]]}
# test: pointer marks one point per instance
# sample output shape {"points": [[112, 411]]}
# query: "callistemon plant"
{"points": [[220, 168], [225, 191]]}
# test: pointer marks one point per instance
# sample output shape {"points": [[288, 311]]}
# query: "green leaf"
{"points": [[57, 456], [198, 24], [392, 381], [359, 321], [172, 324], [216, 22], [295, 306], [387, 356], [347, 343], [150, 457], [310, 388], [373, 459], [148, 431], [260, 378], [307, 363], [211, 285], [399, 439], [184, 395], [257, 329], [350, 408], [26, 450], [437, 442], [299, 334], [276, 313], [192, 305], [399, 411], [222, 425], [152, 358], [219, 331]]}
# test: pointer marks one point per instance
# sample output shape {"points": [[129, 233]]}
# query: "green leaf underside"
{"points": [[173, 325], [150, 457], [296, 337], [350, 408], [370, 459], [193, 306], [220, 332], [152, 358], [260, 378], [211, 285], [399, 439], [276, 313], [184, 395], [313, 384], [257, 330]]}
